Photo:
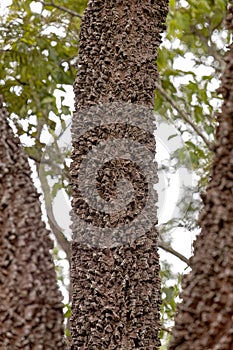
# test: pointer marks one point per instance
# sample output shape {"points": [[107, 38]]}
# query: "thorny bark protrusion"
{"points": [[116, 291], [31, 314]]}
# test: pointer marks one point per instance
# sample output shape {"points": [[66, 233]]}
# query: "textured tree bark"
{"points": [[204, 318], [116, 290], [30, 302]]}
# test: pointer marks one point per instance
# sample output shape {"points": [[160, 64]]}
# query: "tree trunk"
{"points": [[204, 319], [114, 273], [30, 301]]}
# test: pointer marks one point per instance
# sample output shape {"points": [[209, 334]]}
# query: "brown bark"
{"points": [[30, 301], [116, 289], [204, 319]]}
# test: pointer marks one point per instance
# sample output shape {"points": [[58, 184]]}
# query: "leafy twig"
{"points": [[62, 8], [210, 46], [183, 114]]}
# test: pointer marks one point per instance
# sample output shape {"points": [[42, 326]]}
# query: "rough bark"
{"points": [[116, 290], [204, 318], [30, 302]]}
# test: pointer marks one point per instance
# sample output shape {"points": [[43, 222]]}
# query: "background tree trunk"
{"points": [[204, 319], [30, 302], [116, 290]]}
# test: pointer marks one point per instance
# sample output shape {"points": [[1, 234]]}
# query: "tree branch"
{"points": [[40, 161], [211, 48], [57, 231], [62, 8], [172, 251], [183, 115], [165, 329]]}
